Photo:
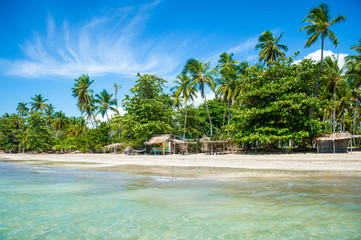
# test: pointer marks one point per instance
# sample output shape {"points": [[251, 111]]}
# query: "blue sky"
{"points": [[45, 45]]}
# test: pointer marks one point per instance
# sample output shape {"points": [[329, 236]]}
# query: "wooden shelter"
{"points": [[113, 146], [215, 147], [167, 144], [334, 142]]}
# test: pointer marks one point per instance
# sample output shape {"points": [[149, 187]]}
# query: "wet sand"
{"points": [[206, 166]]}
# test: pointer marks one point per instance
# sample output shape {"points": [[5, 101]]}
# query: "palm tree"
{"points": [[84, 94], [270, 48], [201, 76], [105, 101], [354, 81], [319, 19], [228, 68], [334, 80], [226, 62], [22, 109], [185, 88], [242, 73], [49, 110], [15, 121], [116, 88], [355, 60], [39, 103], [60, 121]]}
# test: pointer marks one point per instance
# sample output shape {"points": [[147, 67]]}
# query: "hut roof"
{"points": [[113, 145], [164, 138], [334, 136], [158, 139]]}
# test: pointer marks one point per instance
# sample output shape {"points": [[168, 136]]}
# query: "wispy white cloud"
{"points": [[198, 99], [316, 56], [111, 43], [243, 48]]}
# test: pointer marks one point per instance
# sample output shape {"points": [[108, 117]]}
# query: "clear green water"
{"points": [[40, 202]]}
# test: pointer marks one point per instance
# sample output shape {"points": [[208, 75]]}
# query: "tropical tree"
{"points": [[319, 20], [22, 109], [355, 60], [270, 48], [106, 103], [84, 94], [227, 67], [60, 121], [354, 81], [38, 103], [49, 110], [185, 88], [116, 88], [201, 76], [148, 110], [334, 80]]}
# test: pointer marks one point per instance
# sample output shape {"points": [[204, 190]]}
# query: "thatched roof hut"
{"points": [[113, 146], [211, 147], [333, 143], [168, 143]]}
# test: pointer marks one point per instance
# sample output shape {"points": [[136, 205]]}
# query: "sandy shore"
{"points": [[233, 165]]}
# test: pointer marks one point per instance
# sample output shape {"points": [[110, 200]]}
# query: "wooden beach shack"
{"points": [[113, 146], [215, 147], [165, 144], [334, 142]]}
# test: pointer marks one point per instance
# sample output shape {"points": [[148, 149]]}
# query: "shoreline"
{"points": [[231, 166]]}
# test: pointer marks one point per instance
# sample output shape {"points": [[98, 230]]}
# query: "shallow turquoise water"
{"points": [[38, 202]]}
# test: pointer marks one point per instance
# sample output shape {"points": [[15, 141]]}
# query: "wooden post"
{"points": [[351, 145], [333, 143]]}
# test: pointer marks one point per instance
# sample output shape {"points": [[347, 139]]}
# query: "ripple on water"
{"points": [[40, 202]]}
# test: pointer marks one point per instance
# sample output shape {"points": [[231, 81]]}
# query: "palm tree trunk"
{"points": [[354, 121], [209, 116], [319, 71], [118, 113], [334, 108], [318, 75], [185, 123], [110, 128], [229, 115], [224, 116]]}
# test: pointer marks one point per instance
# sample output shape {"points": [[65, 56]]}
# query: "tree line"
{"points": [[271, 103]]}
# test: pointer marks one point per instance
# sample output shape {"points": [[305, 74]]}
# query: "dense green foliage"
{"points": [[268, 105]]}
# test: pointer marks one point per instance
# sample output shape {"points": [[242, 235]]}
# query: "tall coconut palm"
{"points": [[334, 80], [355, 60], [242, 73], [201, 76], [186, 89], [226, 62], [84, 94], [228, 68], [116, 88], [38, 103], [319, 20], [49, 111], [15, 121], [105, 101], [22, 109], [354, 81], [270, 48], [226, 87], [60, 121]]}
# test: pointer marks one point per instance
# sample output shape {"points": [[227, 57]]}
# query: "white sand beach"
{"points": [[260, 165]]}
